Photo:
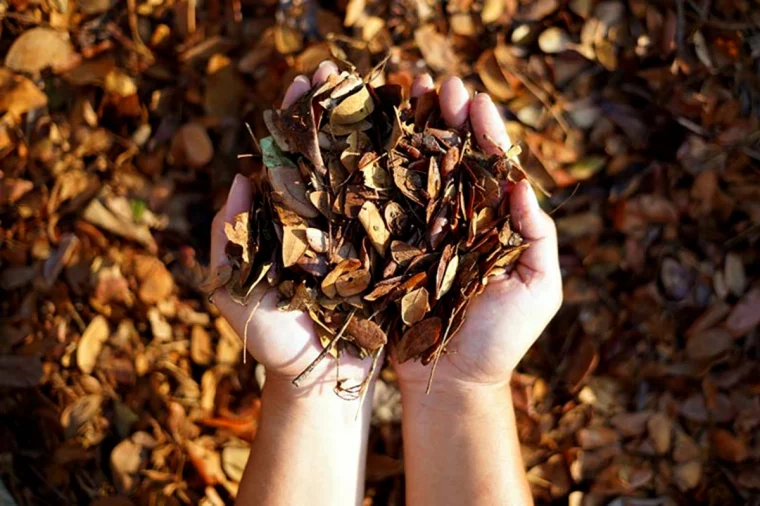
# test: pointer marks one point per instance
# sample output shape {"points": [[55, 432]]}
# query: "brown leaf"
{"points": [[435, 48], [294, 244], [373, 223], [660, 429], [353, 108], [353, 283], [409, 182], [200, 346], [91, 343], [192, 146], [366, 333], [414, 305], [418, 339], [434, 179], [329, 284], [19, 95], [727, 446], [688, 475], [353, 156], [40, 48], [290, 190], [375, 176], [745, 315], [402, 253], [709, 344], [446, 272], [396, 218], [596, 437], [234, 460], [156, 282], [126, 460]]}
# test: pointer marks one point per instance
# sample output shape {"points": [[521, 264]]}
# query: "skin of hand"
{"points": [[460, 441], [505, 320], [310, 447]]}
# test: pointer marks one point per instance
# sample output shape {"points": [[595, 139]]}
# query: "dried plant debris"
{"points": [[397, 221]]}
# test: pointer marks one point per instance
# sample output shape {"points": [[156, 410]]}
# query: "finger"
{"points": [[238, 201], [323, 72], [300, 86], [421, 85], [488, 126], [536, 227], [455, 102]]}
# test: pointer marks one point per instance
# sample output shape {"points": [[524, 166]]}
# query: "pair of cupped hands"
{"points": [[501, 324]]}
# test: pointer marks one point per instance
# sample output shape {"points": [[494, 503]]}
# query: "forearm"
{"points": [[308, 450], [461, 447]]}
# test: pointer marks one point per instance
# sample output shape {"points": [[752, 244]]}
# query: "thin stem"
{"points": [[310, 368]]}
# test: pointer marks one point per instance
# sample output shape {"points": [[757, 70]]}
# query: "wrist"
{"points": [[452, 396], [315, 404]]}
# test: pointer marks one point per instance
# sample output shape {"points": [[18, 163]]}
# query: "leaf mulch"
{"points": [[121, 126]]}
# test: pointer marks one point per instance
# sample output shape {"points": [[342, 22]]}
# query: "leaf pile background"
{"points": [[120, 129]]}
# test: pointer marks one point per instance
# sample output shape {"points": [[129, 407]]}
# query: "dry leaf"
{"points": [[418, 339], [39, 48], [366, 333], [290, 190], [91, 343], [329, 284], [353, 108], [414, 305], [373, 223]]}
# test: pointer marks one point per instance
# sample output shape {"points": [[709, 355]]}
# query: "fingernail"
{"points": [[532, 201], [303, 79], [325, 63], [236, 194]]}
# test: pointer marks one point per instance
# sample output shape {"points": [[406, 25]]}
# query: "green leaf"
{"points": [[138, 209], [273, 155]]}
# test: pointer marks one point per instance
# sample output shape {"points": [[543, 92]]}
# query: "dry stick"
{"points": [[323, 353], [247, 322], [438, 355], [541, 94], [365, 384]]}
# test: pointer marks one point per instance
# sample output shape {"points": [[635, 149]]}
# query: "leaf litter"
{"points": [[436, 233]]}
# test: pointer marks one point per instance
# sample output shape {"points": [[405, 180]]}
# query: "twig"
{"points": [[438, 355], [139, 44], [365, 384], [247, 322], [577, 185], [253, 137], [310, 368]]}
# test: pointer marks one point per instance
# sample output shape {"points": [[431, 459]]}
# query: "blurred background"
{"points": [[121, 126]]}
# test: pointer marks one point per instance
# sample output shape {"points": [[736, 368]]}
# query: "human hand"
{"points": [[284, 342], [505, 320]]}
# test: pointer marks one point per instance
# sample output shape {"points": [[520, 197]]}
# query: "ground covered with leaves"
{"points": [[120, 129]]}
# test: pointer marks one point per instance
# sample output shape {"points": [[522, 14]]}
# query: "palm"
{"points": [[285, 341], [500, 326]]}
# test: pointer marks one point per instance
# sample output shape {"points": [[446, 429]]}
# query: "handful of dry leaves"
{"points": [[376, 221]]}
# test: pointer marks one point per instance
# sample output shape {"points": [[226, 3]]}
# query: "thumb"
{"points": [[537, 228], [238, 201]]}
